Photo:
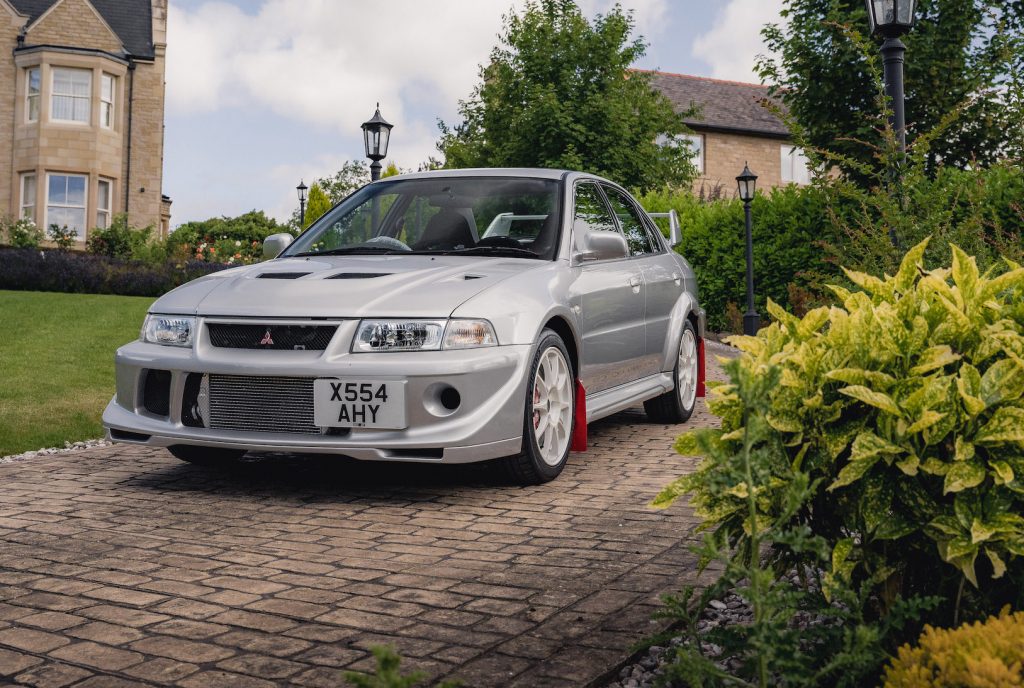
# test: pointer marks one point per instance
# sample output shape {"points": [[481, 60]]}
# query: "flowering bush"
{"points": [[62, 237], [20, 233]]}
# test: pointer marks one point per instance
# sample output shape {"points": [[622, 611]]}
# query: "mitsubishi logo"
{"points": [[267, 339]]}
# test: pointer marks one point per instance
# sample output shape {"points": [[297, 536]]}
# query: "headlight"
{"points": [[172, 330], [376, 336], [399, 335], [469, 334]]}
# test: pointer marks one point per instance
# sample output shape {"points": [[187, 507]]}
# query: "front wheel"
{"points": [[548, 417], [205, 456], [677, 405]]}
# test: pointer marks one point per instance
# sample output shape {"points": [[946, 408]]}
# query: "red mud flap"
{"points": [[700, 367], [579, 430]]}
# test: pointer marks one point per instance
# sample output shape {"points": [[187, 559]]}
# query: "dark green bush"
{"points": [[789, 225], [119, 240]]}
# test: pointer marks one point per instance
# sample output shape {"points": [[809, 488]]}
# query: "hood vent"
{"points": [[282, 275], [469, 277], [359, 275]]}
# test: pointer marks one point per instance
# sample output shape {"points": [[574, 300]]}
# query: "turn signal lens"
{"points": [[469, 334]]}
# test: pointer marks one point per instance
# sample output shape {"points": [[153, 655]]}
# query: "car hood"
{"points": [[344, 287]]}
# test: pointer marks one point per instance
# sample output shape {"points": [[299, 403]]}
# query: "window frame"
{"points": [[22, 205], [38, 95], [655, 246], [53, 94], [84, 207], [100, 210], [608, 209], [789, 154], [107, 106]]}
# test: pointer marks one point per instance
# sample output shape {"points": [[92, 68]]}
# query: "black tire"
{"points": [[670, 408], [529, 466], [205, 456]]}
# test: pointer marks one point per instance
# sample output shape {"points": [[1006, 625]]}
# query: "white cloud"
{"points": [[733, 43]]}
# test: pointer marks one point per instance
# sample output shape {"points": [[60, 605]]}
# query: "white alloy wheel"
{"points": [[552, 406], [686, 370]]}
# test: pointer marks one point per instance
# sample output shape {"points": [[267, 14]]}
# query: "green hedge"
{"points": [[787, 226]]}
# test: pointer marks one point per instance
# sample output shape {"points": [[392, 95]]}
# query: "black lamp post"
{"points": [[376, 132], [302, 188], [747, 182], [892, 19]]}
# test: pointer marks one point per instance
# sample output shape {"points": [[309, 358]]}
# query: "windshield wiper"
{"points": [[494, 251], [348, 249]]}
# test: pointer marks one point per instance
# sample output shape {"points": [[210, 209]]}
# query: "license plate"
{"points": [[359, 403]]}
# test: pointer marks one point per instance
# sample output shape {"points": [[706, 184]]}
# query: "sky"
{"points": [[264, 93]]}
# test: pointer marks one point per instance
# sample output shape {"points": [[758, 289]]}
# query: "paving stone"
{"points": [[123, 566]]}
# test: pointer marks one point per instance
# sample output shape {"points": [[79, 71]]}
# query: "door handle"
{"points": [[635, 282], [676, 278]]}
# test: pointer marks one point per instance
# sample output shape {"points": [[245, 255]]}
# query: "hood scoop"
{"points": [[472, 277], [282, 275], [359, 275]]}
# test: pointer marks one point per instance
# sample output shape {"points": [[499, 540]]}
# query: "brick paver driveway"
{"points": [[123, 566]]}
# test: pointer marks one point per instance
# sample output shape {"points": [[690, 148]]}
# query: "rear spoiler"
{"points": [[675, 234]]}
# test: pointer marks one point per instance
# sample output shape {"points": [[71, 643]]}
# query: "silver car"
{"points": [[446, 317]]}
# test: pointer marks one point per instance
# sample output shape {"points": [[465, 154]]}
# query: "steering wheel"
{"points": [[389, 242], [499, 242]]}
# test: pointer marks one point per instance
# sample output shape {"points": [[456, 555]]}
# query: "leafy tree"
{"points": [[391, 170], [317, 204], [558, 93], [958, 53], [352, 175], [247, 228]]}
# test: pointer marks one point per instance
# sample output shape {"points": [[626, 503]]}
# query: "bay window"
{"points": [[104, 197], [65, 202], [71, 98], [107, 84], [32, 94], [27, 205]]}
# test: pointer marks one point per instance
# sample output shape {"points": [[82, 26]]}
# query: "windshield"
{"points": [[497, 216]]}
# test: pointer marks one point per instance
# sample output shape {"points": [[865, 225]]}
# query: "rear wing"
{"points": [[675, 234]]}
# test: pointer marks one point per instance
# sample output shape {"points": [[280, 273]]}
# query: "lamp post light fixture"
{"points": [[892, 19], [302, 188], [747, 183], [376, 133]]}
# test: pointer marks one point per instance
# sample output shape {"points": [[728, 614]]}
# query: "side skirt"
{"points": [[622, 397]]}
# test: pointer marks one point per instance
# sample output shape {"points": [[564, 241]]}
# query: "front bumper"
{"points": [[487, 424]]}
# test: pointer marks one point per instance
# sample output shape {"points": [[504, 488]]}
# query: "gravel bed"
{"points": [[68, 447]]}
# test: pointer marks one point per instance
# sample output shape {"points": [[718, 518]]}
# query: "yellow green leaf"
{"points": [[868, 445], [934, 357], [1005, 427], [909, 465], [910, 266], [965, 274], [1003, 381], [872, 398], [927, 419], [968, 383], [1003, 471], [739, 490], [869, 283], [964, 450], [980, 531], [859, 376], [963, 475], [998, 566]]}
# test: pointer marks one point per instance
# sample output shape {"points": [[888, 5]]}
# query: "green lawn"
{"points": [[57, 364]]}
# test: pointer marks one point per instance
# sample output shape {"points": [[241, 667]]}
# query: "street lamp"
{"points": [[747, 183], [301, 188], [892, 19], [376, 132]]}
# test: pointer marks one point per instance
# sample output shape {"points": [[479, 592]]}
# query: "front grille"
{"points": [[271, 336], [262, 404]]}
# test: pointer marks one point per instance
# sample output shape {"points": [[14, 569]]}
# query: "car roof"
{"points": [[534, 172]]}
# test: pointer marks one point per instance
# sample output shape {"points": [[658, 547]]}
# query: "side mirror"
{"points": [[275, 243], [602, 245]]}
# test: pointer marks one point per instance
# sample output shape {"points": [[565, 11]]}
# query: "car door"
{"points": [[662, 279], [610, 298]]}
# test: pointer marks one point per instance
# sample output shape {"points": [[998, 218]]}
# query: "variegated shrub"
{"points": [[903, 410]]}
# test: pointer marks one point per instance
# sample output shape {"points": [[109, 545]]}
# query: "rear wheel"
{"points": [[677, 406], [205, 456], [548, 417]]}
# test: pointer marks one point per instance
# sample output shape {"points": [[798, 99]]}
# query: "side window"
{"points": [[591, 213], [632, 225]]}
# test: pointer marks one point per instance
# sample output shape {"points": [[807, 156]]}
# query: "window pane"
{"points": [[632, 226], [33, 82], [33, 108], [591, 213], [108, 88], [76, 191], [58, 189], [102, 219], [28, 189], [103, 195]]}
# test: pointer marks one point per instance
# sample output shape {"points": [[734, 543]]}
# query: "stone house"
{"points": [[82, 112], [733, 128]]}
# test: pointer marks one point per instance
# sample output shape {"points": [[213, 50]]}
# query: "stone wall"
{"points": [[725, 154]]}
